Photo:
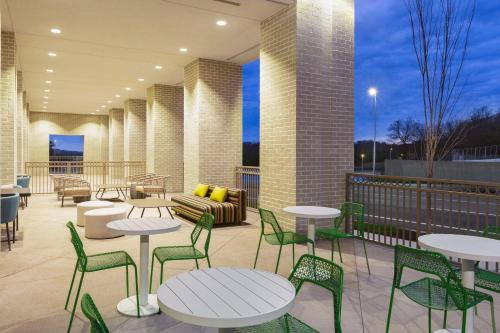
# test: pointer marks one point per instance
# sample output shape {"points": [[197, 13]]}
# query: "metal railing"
{"points": [[248, 178], [96, 173], [476, 153], [399, 209]]}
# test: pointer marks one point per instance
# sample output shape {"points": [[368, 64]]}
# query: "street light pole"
{"points": [[362, 162], [373, 93], [390, 153]]}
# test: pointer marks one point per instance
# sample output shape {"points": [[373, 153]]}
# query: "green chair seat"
{"points": [[487, 279], [108, 260], [289, 237], [330, 233], [177, 253], [432, 293], [287, 323]]}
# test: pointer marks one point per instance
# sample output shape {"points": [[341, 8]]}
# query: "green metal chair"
{"points": [[185, 252], [484, 278], [278, 237], [96, 262], [320, 272], [97, 324], [356, 212], [446, 293]]}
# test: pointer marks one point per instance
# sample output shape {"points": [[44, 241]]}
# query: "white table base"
{"points": [[128, 306], [311, 234]]}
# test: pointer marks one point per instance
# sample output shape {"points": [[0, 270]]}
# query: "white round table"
{"points": [[144, 227], [312, 213], [226, 297], [469, 249]]}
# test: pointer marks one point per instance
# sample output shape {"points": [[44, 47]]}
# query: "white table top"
{"points": [[95, 203], [462, 246], [226, 297], [105, 211], [314, 212], [145, 225]]}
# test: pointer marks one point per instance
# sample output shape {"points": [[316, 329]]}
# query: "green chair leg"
{"points": [[278, 261], [71, 286], [257, 254], [340, 251], [390, 311], [126, 279], [208, 261], [366, 257], [429, 319], [151, 275], [137, 292], [333, 247], [161, 274], [464, 321], [445, 318], [197, 266], [76, 302], [293, 254]]}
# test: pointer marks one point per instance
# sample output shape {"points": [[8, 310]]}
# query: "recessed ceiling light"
{"points": [[183, 49], [51, 54], [128, 89], [97, 110], [110, 102], [45, 102], [46, 97], [103, 106], [49, 70], [48, 82], [158, 67], [55, 31], [140, 79], [117, 96], [47, 90], [44, 107], [92, 113], [221, 23]]}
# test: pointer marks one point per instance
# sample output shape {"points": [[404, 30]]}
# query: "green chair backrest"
{"points": [[492, 232], [323, 273], [267, 217], [97, 324], [356, 212], [78, 245], [431, 263], [206, 222]]}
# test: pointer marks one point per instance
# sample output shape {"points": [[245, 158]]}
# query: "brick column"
{"points": [[8, 116], [307, 105], [165, 134], [134, 130], [116, 135], [213, 123], [20, 123]]}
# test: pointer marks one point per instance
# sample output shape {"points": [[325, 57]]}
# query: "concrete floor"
{"points": [[35, 276]]}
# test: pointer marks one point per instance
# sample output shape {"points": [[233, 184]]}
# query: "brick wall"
{"points": [[306, 106], [116, 150], [20, 123], [213, 122], [165, 131], [8, 115], [134, 130], [93, 127]]}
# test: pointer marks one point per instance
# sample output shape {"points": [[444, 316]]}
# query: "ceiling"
{"points": [[106, 45]]}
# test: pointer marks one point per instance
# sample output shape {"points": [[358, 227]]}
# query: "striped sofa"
{"points": [[233, 210]]}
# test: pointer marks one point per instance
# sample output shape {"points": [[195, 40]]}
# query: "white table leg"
{"points": [[148, 303], [226, 330], [311, 234]]}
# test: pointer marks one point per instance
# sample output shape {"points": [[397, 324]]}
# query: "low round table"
{"points": [[312, 213], [151, 203], [469, 249], [85, 206], [226, 297], [96, 220], [143, 227]]}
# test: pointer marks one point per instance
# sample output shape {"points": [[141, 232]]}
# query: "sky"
{"points": [[384, 58], [67, 142]]}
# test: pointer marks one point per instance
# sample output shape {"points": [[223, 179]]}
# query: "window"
{"points": [[251, 113], [64, 148]]}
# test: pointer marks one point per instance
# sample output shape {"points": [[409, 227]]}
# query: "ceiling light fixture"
{"points": [[183, 49], [117, 96], [45, 102], [49, 70], [48, 82], [128, 88], [110, 102], [103, 106], [140, 79], [221, 23], [55, 31], [51, 54], [44, 107], [46, 97], [92, 113], [97, 110], [47, 90], [158, 67]]}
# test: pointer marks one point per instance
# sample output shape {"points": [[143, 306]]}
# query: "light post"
{"points": [[390, 153], [373, 93], [362, 163]]}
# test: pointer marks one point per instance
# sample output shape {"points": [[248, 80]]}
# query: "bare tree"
{"points": [[404, 131], [440, 36]]}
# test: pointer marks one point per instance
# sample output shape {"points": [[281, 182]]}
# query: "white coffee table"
{"points": [[312, 213], [144, 227], [469, 249], [226, 297]]}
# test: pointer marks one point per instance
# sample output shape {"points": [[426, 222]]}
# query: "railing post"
{"points": [[419, 206], [104, 172], [348, 224]]}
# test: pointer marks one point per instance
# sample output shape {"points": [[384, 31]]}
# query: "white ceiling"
{"points": [[106, 45]]}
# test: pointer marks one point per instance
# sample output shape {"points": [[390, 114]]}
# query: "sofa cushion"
{"points": [[224, 212], [201, 190], [219, 194]]}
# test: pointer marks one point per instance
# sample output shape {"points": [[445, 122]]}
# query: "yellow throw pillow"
{"points": [[219, 194], [201, 190]]}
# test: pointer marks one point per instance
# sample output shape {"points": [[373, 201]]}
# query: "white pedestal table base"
{"points": [[128, 306]]}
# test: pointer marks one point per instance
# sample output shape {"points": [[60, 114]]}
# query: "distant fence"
{"points": [[476, 153], [248, 178], [96, 173]]}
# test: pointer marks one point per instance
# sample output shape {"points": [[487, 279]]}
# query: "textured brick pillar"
{"points": [[20, 123], [165, 133], [116, 135], [8, 115], [212, 123], [134, 130], [307, 109]]}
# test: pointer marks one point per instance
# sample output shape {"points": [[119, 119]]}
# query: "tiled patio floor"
{"points": [[35, 275]]}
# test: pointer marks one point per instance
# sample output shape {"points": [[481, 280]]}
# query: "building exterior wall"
{"points": [[116, 131], [94, 128], [165, 133], [213, 122], [134, 130], [8, 115], [307, 109]]}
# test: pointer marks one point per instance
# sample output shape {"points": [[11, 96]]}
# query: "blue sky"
{"points": [[384, 58], [68, 142]]}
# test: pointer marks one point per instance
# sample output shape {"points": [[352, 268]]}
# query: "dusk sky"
{"points": [[384, 58], [67, 142]]}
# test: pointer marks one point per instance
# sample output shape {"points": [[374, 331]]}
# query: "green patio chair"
{"points": [[185, 252], [356, 212], [278, 236], [320, 272], [444, 291], [97, 324], [96, 262]]}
